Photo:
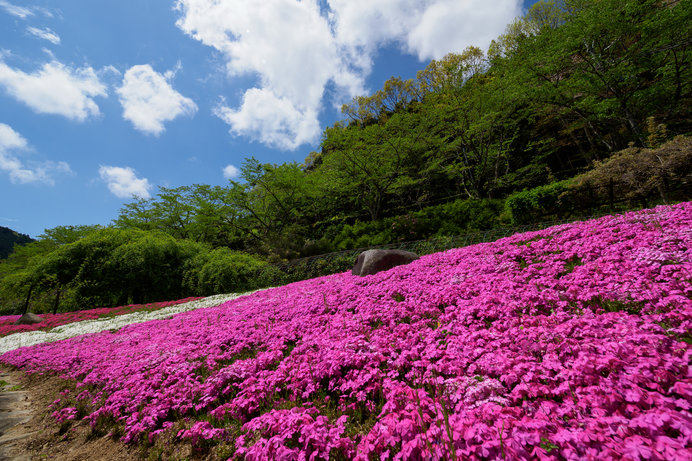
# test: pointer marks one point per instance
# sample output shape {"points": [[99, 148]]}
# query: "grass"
{"points": [[4, 386], [570, 265]]}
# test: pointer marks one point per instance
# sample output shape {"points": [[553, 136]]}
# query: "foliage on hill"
{"points": [[564, 88], [631, 175], [111, 267], [10, 238]]}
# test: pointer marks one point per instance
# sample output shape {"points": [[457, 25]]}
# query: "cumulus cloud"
{"points": [[438, 32], [276, 121], [45, 34], [428, 29], [17, 11], [149, 100], [124, 183], [230, 172], [297, 49], [289, 46], [55, 89], [10, 139], [37, 172]]}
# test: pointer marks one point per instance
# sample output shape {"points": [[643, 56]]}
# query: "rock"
{"points": [[372, 261], [28, 319]]}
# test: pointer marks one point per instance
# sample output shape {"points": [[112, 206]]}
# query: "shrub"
{"points": [[458, 217], [634, 174], [225, 271], [447, 219], [637, 174], [150, 266], [533, 204]]}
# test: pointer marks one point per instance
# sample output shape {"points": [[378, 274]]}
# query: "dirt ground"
{"points": [[28, 432]]}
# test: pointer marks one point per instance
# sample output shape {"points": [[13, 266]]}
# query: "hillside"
{"points": [[567, 343], [8, 238]]}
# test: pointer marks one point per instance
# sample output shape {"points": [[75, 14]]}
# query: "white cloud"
{"points": [[124, 183], [10, 139], [297, 49], [23, 12], [109, 70], [45, 34], [149, 100], [55, 89], [289, 46], [428, 29], [365, 24], [438, 31], [272, 120], [17, 11], [41, 172], [230, 172]]}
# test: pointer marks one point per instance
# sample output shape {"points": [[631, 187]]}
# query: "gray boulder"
{"points": [[28, 319], [373, 261]]}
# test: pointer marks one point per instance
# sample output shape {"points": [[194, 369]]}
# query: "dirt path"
{"points": [[28, 432], [15, 414]]}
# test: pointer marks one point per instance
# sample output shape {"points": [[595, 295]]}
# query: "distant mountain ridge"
{"points": [[8, 238]]}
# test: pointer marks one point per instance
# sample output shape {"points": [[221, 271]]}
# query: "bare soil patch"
{"points": [[28, 431]]}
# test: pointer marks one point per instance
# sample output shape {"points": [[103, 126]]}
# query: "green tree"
{"points": [[602, 67], [35, 269], [224, 271], [148, 266], [276, 205], [217, 220], [363, 165], [472, 117], [62, 235]]}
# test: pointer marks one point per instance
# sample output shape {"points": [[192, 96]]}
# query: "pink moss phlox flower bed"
{"points": [[568, 343], [7, 326]]}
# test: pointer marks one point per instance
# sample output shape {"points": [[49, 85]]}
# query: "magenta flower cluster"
{"points": [[567, 343], [7, 326]]}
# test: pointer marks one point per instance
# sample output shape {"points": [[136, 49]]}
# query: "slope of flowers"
{"points": [[111, 322], [567, 343], [7, 326]]}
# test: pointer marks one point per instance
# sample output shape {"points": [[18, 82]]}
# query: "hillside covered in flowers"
{"points": [[568, 343], [8, 324]]}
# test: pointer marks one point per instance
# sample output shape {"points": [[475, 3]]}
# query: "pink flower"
{"points": [[563, 343]]}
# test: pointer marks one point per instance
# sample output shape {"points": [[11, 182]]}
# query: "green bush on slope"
{"points": [[225, 271]]}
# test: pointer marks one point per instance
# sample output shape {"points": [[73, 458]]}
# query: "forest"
{"points": [[10, 238], [580, 106]]}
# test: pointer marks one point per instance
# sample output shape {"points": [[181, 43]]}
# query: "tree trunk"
{"points": [[56, 303], [28, 298], [634, 126]]}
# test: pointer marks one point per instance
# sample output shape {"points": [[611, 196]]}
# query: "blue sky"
{"points": [[101, 101]]}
